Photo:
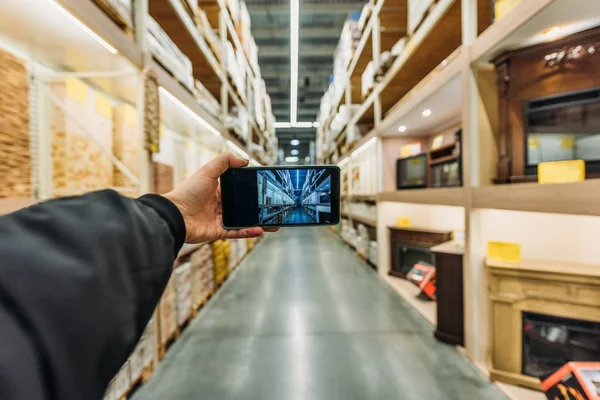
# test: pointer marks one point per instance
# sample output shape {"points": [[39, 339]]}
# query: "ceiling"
{"points": [[321, 23]]}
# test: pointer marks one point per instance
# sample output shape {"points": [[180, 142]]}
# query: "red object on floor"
{"points": [[574, 381]]}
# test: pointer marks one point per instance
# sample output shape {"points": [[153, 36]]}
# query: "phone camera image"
{"points": [[294, 196]]}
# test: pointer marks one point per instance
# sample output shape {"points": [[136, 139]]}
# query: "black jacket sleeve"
{"points": [[79, 280]]}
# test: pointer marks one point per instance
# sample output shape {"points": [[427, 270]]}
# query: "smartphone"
{"points": [[280, 196]]}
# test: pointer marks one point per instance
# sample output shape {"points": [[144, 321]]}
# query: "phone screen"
{"points": [[280, 196]]}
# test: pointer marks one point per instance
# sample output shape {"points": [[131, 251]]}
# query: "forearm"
{"points": [[85, 274]]}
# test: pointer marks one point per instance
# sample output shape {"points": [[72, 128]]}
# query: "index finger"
{"points": [[222, 163]]}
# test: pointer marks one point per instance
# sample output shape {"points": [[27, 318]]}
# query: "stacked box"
{"points": [[362, 241], [168, 312], [368, 79], [206, 99], [202, 275], [78, 162], [143, 355], [120, 11], [220, 251], [126, 143], [15, 168], [169, 55], [373, 252], [243, 28], [183, 292], [163, 162], [208, 30]]}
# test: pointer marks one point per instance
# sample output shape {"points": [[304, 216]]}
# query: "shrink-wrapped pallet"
{"points": [[168, 313], [15, 168], [126, 143], [81, 124], [202, 274], [183, 292]]}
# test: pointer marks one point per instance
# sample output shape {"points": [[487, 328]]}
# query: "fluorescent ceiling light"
{"points": [[283, 125], [302, 125], [402, 128], [291, 159], [316, 124], [427, 112], [295, 142], [364, 147], [237, 149], [87, 30], [553, 32], [294, 28], [190, 112], [294, 152], [307, 159]]}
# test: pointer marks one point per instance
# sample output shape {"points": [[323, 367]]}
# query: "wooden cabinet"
{"points": [[448, 260]]}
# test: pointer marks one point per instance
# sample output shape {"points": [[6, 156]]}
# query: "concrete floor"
{"points": [[303, 318], [298, 216]]}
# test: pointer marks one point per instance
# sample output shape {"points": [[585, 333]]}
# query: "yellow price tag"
{"points": [[502, 7], [103, 106], [567, 142], [504, 252], [77, 90], [403, 222], [561, 171], [533, 142], [416, 161]]}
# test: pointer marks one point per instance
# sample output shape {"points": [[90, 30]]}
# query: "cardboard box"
{"points": [[574, 381]]}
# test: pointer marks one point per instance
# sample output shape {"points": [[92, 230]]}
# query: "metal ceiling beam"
{"points": [[270, 51], [318, 8], [305, 33]]}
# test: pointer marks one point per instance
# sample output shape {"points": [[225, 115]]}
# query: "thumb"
{"points": [[222, 163]]}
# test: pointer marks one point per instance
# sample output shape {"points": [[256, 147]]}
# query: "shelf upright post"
{"points": [[376, 38], [141, 13], [474, 277]]}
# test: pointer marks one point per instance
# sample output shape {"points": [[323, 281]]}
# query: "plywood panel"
{"points": [[126, 143], [78, 162], [15, 168]]}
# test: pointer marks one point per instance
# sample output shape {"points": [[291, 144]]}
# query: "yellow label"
{"points": [[77, 90], [410, 149], [129, 115], [533, 142], [561, 171], [103, 106], [503, 7], [416, 161], [438, 141], [567, 142], [403, 222], [504, 252]]}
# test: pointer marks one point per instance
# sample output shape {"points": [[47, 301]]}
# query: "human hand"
{"points": [[199, 201]]}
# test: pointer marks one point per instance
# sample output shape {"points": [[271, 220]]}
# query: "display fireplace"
{"points": [[543, 315], [550, 342], [412, 245]]}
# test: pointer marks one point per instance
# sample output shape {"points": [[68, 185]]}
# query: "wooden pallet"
{"points": [[141, 380], [115, 17], [164, 347], [198, 306]]}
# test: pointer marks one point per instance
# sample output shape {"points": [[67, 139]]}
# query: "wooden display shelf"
{"points": [[363, 220], [453, 196], [176, 22], [578, 198], [437, 37]]}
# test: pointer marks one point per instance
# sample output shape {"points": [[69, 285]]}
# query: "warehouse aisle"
{"points": [[303, 318], [298, 216]]}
